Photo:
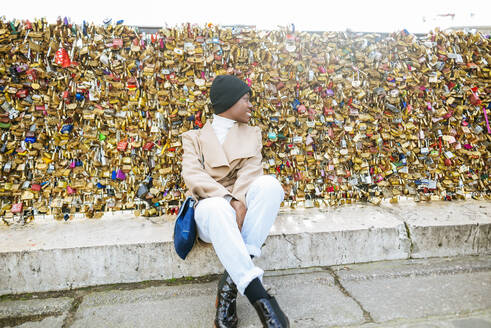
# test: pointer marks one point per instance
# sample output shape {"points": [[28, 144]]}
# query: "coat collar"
{"points": [[240, 142]]}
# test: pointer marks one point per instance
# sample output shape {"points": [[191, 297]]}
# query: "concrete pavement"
{"points": [[450, 292], [49, 255]]}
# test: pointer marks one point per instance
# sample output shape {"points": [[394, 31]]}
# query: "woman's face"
{"points": [[241, 111]]}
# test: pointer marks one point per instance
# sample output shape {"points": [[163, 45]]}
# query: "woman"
{"points": [[237, 204]]}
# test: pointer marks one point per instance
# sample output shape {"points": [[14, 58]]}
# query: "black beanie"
{"points": [[225, 91]]}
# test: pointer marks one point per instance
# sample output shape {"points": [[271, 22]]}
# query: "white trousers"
{"points": [[217, 224]]}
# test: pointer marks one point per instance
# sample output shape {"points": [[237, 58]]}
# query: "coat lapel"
{"points": [[211, 148], [239, 143]]}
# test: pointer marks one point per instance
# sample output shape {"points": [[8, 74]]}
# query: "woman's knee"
{"points": [[270, 185], [217, 207], [211, 203]]}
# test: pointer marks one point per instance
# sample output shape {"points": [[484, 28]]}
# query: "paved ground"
{"points": [[439, 292]]}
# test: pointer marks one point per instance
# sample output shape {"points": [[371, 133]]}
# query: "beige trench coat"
{"points": [[229, 168]]}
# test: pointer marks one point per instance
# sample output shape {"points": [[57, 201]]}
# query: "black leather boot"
{"points": [[270, 313], [226, 303]]}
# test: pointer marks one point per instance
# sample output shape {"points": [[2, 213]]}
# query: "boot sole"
{"points": [[216, 305]]}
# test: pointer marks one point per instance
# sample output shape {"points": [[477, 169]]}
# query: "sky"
{"points": [[417, 16]]}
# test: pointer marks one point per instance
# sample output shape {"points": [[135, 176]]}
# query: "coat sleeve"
{"points": [[197, 180], [251, 169]]}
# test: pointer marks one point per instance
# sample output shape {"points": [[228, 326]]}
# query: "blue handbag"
{"points": [[185, 228]]}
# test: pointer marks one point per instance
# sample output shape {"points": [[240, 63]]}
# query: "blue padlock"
{"points": [[295, 104], [67, 128], [113, 175], [79, 96], [30, 139], [100, 185]]}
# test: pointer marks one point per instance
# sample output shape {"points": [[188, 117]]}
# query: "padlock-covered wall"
{"points": [[91, 116]]}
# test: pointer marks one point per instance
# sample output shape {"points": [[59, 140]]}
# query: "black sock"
{"points": [[255, 290]]}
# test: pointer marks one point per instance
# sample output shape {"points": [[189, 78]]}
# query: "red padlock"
{"points": [[148, 145], [22, 93], [198, 123], [31, 74], [16, 208], [328, 111], [122, 145], [36, 187], [61, 58], [474, 99], [28, 25]]}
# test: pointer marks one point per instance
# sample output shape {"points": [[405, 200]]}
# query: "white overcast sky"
{"points": [[417, 16]]}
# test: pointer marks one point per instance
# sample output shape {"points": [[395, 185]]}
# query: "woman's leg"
{"points": [[216, 222], [263, 198]]}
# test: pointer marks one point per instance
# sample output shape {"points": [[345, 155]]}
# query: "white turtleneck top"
{"points": [[221, 125]]}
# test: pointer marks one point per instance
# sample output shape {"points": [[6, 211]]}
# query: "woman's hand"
{"points": [[240, 211]]}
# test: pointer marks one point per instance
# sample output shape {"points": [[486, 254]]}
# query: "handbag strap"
{"points": [[202, 160]]}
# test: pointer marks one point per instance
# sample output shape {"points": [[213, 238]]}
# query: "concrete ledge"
{"points": [[119, 248], [446, 228]]}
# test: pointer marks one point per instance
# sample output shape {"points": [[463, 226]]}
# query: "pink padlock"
{"points": [[16, 208], [72, 164], [117, 43], [120, 175], [70, 190]]}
